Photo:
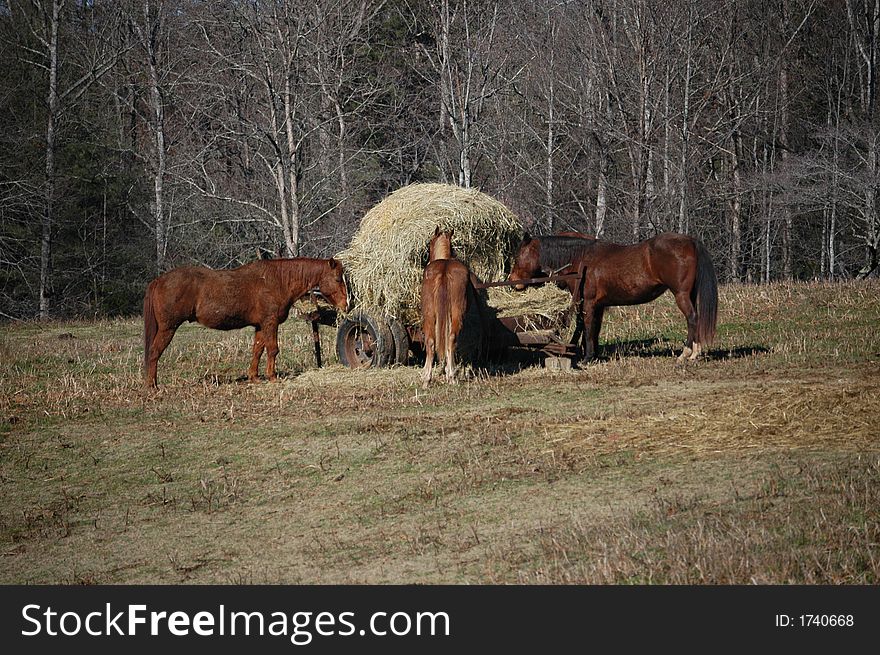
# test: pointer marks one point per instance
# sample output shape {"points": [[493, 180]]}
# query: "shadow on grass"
{"points": [[513, 360], [663, 347], [517, 359], [737, 352], [223, 379]]}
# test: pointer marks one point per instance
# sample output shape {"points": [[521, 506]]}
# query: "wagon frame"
{"points": [[365, 340]]}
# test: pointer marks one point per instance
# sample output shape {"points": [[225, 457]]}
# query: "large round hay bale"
{"points": [[388, 254]]}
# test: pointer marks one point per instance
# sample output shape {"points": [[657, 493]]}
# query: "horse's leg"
{"points": [[450, 355], [683, 300], [577, 292], [598, 314], [259, 346], [160, 343], [578, 327], [270, 339], [587, 341], [429, 361]]}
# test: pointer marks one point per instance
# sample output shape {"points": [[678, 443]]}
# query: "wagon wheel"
{"points": [[401, 341], [363, 341]]}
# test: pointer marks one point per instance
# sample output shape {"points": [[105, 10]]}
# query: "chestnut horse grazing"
{"points": [[444, 304], [259, 294], [612, 274]]}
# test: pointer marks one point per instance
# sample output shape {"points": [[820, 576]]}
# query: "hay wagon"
{"points": [[384, 265]]}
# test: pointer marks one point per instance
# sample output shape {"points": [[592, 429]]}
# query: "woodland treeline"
{"points": [[139, 135]]}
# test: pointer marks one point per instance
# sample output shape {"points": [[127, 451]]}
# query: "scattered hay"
{"points": [[388, 254], [727, 417]]}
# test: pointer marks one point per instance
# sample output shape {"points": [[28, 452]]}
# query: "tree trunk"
{"points": [[159, 218], [292, 220], [550, 146], [767, 205], [685, 132], [464, 159], [832, 218], [343, 174], [736, 209], [871, 218], [49, 200], [783, 144], [601, 192], [736, 155]]}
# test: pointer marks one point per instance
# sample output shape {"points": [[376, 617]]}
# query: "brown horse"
{"points": [[612, 274], [444, 304], [259, 294]]}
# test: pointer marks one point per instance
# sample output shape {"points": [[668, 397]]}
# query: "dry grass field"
{"points": [[758, 464]]}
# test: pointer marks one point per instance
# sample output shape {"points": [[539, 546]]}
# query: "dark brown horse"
{"points": [[612, 274], [444, 304], [259, 294]]}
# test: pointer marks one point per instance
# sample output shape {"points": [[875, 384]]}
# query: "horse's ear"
{"points": [[333, 263], [527, 238], [437, 231]]}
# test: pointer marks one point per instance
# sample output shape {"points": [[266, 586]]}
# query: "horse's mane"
{"points": [[301, 272], [557, 252]]}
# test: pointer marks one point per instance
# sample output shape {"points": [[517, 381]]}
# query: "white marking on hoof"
{"points": [[697, 351], [685, 354]]}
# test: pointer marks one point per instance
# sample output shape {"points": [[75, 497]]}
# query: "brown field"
{"points": [[758, 464]]}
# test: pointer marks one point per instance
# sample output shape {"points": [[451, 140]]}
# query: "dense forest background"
{"points": [[139, 135]]}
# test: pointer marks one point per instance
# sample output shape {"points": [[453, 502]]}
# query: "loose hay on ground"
{"points": [[725, 417]]}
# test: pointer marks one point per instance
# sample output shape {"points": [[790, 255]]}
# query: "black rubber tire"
{"points": [[362, 341], [401, 341]]}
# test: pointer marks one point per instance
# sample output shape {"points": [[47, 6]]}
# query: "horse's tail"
{"points": [[706, 295], [441, 316], [151, 325]]}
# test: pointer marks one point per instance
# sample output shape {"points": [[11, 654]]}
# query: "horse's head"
{"points": [[332, 284], [440, 246], [527, 263]]}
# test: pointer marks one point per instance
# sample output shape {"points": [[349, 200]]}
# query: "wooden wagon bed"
{"points": [[364, 340]]}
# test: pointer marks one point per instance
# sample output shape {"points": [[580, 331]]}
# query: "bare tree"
{"points": [[253, 113], [864, 23], [44, 21], [149, 21], [470, 68]]}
